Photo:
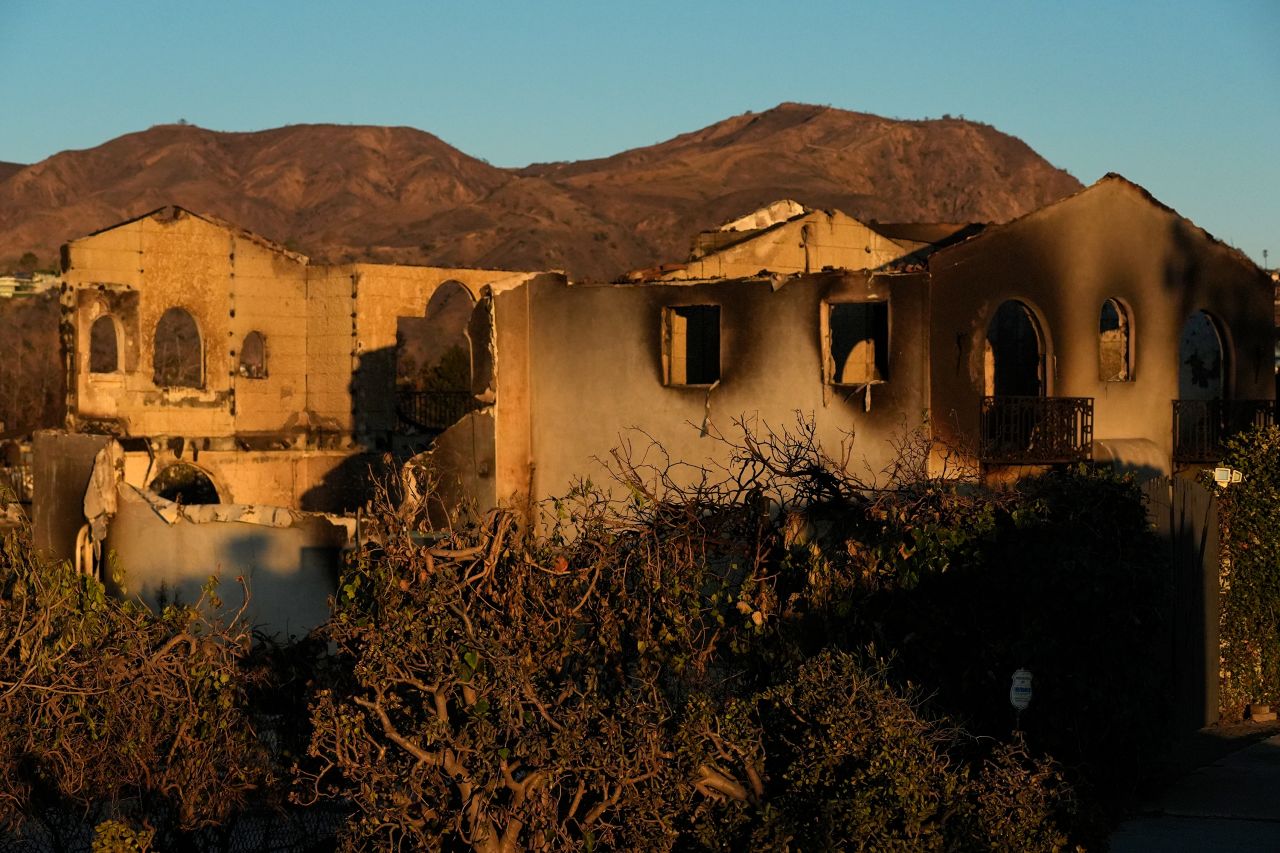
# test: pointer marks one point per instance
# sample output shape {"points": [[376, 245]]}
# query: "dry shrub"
{"points": [[104, 705], [645, 674]]}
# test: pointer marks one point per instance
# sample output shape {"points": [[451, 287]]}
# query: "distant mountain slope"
{"points": [[403, 195], [7, 169]]}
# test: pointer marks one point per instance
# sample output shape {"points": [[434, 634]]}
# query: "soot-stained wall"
{"points": [[1110, 241], [584, 365]]}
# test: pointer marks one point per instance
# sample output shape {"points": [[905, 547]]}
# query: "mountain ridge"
{"points": [[403, 195]]}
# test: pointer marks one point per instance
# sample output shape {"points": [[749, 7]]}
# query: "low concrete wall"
{"points": [[288, 559]]}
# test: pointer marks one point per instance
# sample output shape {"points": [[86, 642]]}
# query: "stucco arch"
{"points": [[184, 482], [1204, 358], [1115, 341], [105, 339]]}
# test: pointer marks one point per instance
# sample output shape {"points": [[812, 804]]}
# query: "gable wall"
{"points": [[1064, 262]]}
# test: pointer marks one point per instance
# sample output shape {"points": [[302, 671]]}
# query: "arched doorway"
{"points": [[186, 484], [433, 360], [1201, 359], [1014, 353]]}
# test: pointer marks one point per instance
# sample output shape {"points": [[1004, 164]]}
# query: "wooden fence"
{"points": [[1185, 515]]}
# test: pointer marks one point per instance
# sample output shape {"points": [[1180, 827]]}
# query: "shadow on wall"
{"points": [[288, 560], [346, 487], [373, 399]]}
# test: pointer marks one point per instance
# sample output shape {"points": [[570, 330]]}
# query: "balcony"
{"points": [[434, 411], [1202, 427], [1036, 430]]}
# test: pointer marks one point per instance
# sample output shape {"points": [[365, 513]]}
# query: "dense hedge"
{"points": [[1061, 576], [1249, 635]]}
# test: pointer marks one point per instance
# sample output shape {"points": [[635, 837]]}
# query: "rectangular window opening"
{"points": [[692, 337], [857, 342]]}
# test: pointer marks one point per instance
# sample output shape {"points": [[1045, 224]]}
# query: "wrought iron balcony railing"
{"points": [[1036, 430], [434, 411], [1202, 427]]}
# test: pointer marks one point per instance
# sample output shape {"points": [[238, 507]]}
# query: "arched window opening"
{"points": [[1201, 359], [1014, 353], [433, 360], [104, 346], [253, 356], [178, 357], [185, 484], [1114, 346], [433, 351]]}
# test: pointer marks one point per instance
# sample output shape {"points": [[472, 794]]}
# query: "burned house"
{"points": [[210, 367], [213, 367], [1103, 327]]}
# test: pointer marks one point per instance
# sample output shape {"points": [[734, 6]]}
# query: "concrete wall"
{"points": [[313, 480], [62, 464], [330, 342], [585, 363], [289, 561], [1109, 241], [220, 277], [331, 348], [384, 293]]}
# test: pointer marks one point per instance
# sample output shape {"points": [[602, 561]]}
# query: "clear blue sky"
{"points": [[1182, 97]]}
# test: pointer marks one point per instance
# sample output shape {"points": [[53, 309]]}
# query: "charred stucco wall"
{"points": [[62, 466], [330, 350], [381, 294], [1111, 241], [331, 347], [813, 242], [230, 283], [268, 294], [315, 480], [463, 457], [580, 366], [330, 331], [87, 511]]}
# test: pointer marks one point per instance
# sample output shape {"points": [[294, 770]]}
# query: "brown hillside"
{"points": [[399, 194]]}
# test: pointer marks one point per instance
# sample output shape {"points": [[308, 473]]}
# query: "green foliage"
{"points": [[1249, 632], [853, 765]]}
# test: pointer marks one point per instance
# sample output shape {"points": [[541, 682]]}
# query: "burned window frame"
{"points": [[117, 334], [157, 378], [671, 376], [833, 374], [1124, 328], [249, 371]]}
